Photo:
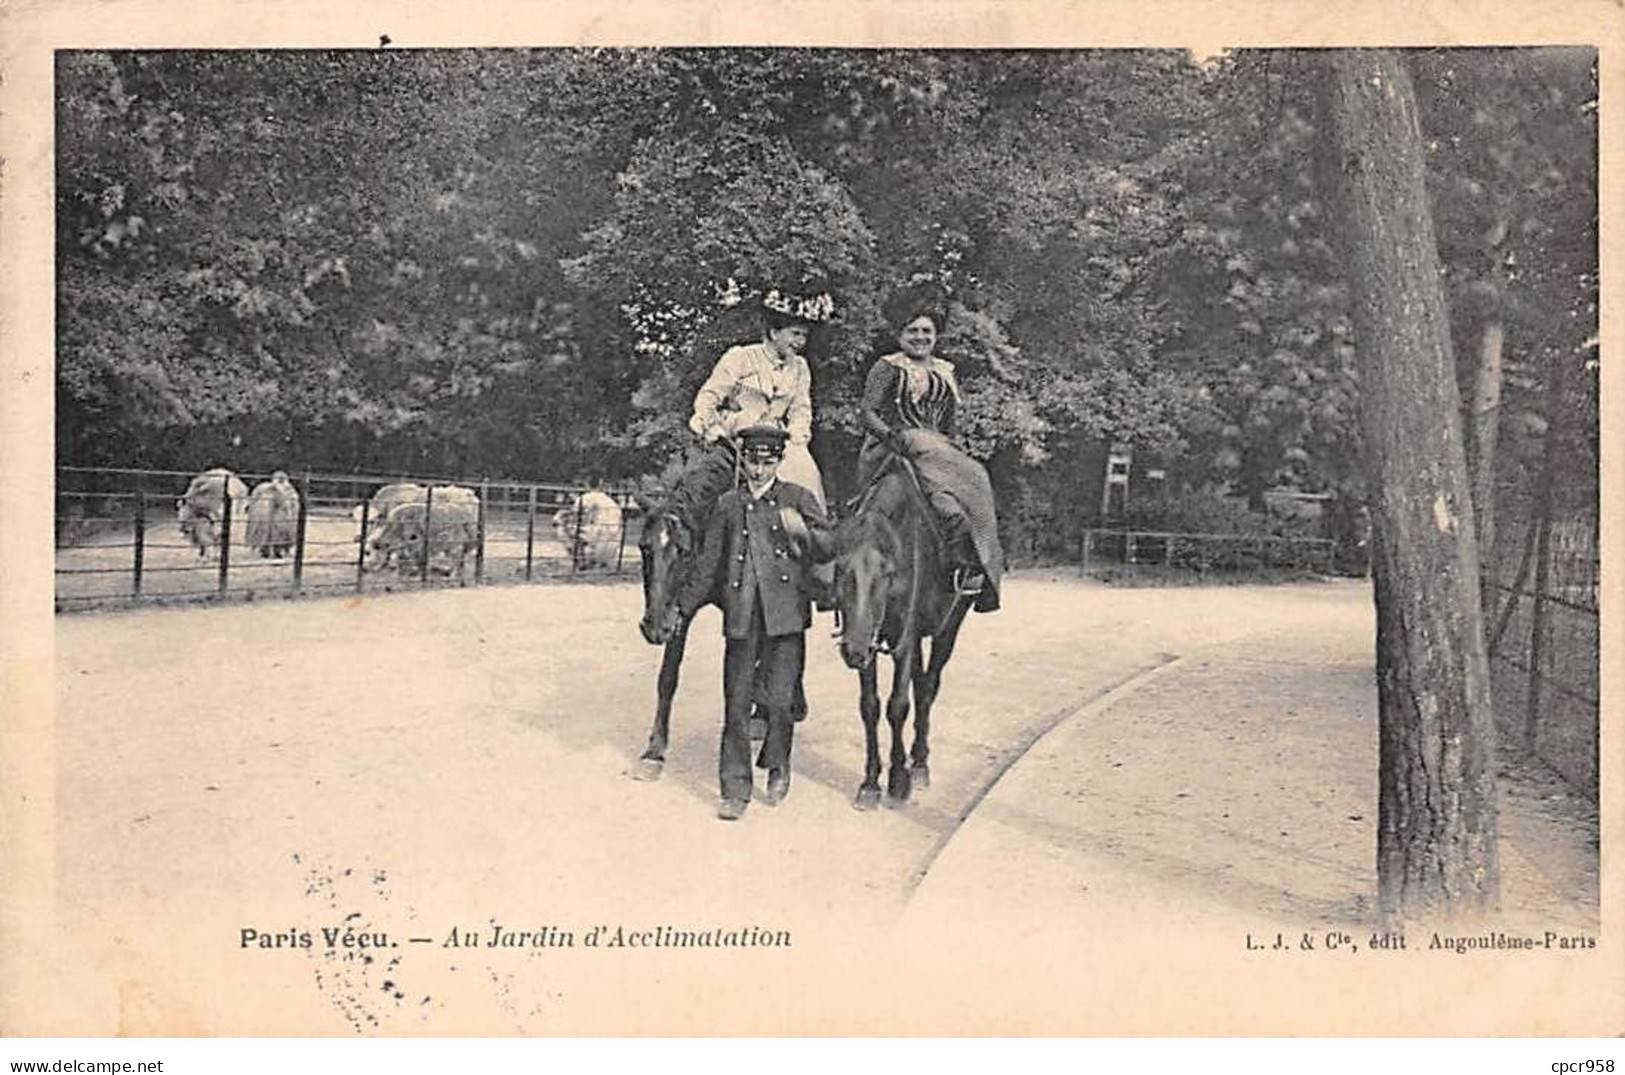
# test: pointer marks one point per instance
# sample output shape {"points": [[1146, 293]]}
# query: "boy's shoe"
{"points": [[778, 786], [732, 809]]}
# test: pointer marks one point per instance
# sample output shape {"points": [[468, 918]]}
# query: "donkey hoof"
{"points": [[648, 769], [867, 799], [921, 775], [898, 788]]}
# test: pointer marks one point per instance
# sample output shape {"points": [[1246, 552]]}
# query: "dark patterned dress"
{"points": [[910, 406], [901, 394]]}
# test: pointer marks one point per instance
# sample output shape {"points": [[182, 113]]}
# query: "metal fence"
{"points": [[1204, 553], [119, 540], [1542, 571]]}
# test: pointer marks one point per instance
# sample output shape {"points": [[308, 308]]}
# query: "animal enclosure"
{"points": [[118, 540]]}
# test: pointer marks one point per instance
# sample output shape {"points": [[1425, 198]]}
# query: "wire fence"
{"points": [[127, 536], [1541, 578]]}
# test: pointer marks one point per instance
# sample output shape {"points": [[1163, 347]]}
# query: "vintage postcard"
{"points": [[822, 519]]}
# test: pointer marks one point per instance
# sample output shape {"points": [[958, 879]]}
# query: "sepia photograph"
{"points": [[986, 529]]}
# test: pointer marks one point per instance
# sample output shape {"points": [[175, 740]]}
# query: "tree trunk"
{"points": [[1436, 841], [1484, 416], [1486, 426], [1254, 480]]}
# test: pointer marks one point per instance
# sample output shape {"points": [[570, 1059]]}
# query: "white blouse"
{"points": [[750, 386]]}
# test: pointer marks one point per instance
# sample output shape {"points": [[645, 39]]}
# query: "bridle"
{"points": [[878, 643]]}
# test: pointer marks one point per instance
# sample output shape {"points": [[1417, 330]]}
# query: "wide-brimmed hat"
{"points": [[762, 441]]}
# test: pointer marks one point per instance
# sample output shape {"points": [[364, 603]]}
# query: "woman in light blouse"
{"points": [[768, 382]]}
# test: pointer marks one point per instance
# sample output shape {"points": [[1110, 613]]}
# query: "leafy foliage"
{"points": [[523, 263]]}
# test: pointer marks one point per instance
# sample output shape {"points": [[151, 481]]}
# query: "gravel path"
{"points": [[437, 765]]}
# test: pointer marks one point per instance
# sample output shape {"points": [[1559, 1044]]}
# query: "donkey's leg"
{"points": [[922, 719], [671, 661], [904, 660], [868, 796], [926, 685]]}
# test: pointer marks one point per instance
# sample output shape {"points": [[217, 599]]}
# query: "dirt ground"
{"points": [[425, 768]]}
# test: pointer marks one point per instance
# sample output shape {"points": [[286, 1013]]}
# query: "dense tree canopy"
{"points": [[522, 263]]}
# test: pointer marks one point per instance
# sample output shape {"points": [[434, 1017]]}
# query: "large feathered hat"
{"points": [[811, 308]]}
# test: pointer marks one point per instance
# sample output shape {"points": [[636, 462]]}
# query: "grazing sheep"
{"points": [[273, 517], [201, 512], [596, 539], [453, 532], [383, 502], [392, 496]]}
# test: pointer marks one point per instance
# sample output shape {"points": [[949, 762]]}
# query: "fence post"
{"points": [[575, 545], [299, 534], [428, 525], [361, 544], [1083, 551], [1515, 591], [140, 536], [1537, 627], [225, 533], [620, 551], [530, 532], [1543, 549], [479, 550]]}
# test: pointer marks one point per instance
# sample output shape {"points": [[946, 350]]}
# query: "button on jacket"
{"points": [[747, 559]]}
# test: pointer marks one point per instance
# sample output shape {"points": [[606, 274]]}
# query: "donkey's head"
{"points": [[868, 562], [666, 549]]}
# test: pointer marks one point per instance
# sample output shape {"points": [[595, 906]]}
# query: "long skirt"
{"points": [[949, 477], [799, 467]]}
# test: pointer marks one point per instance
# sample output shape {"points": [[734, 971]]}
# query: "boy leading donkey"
{"points": [[758, 548]]}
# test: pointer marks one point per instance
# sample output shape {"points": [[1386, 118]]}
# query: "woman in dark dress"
{"points": [[910, 399]]}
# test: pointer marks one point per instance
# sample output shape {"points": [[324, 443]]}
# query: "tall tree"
{"points": [[1512, 173], [1436, 838]]}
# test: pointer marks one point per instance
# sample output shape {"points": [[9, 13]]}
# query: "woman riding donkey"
{"points": [[767, 382], [910, 400]]}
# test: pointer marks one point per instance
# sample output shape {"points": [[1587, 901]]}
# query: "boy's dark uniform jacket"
{"points": [[748, 557]]}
